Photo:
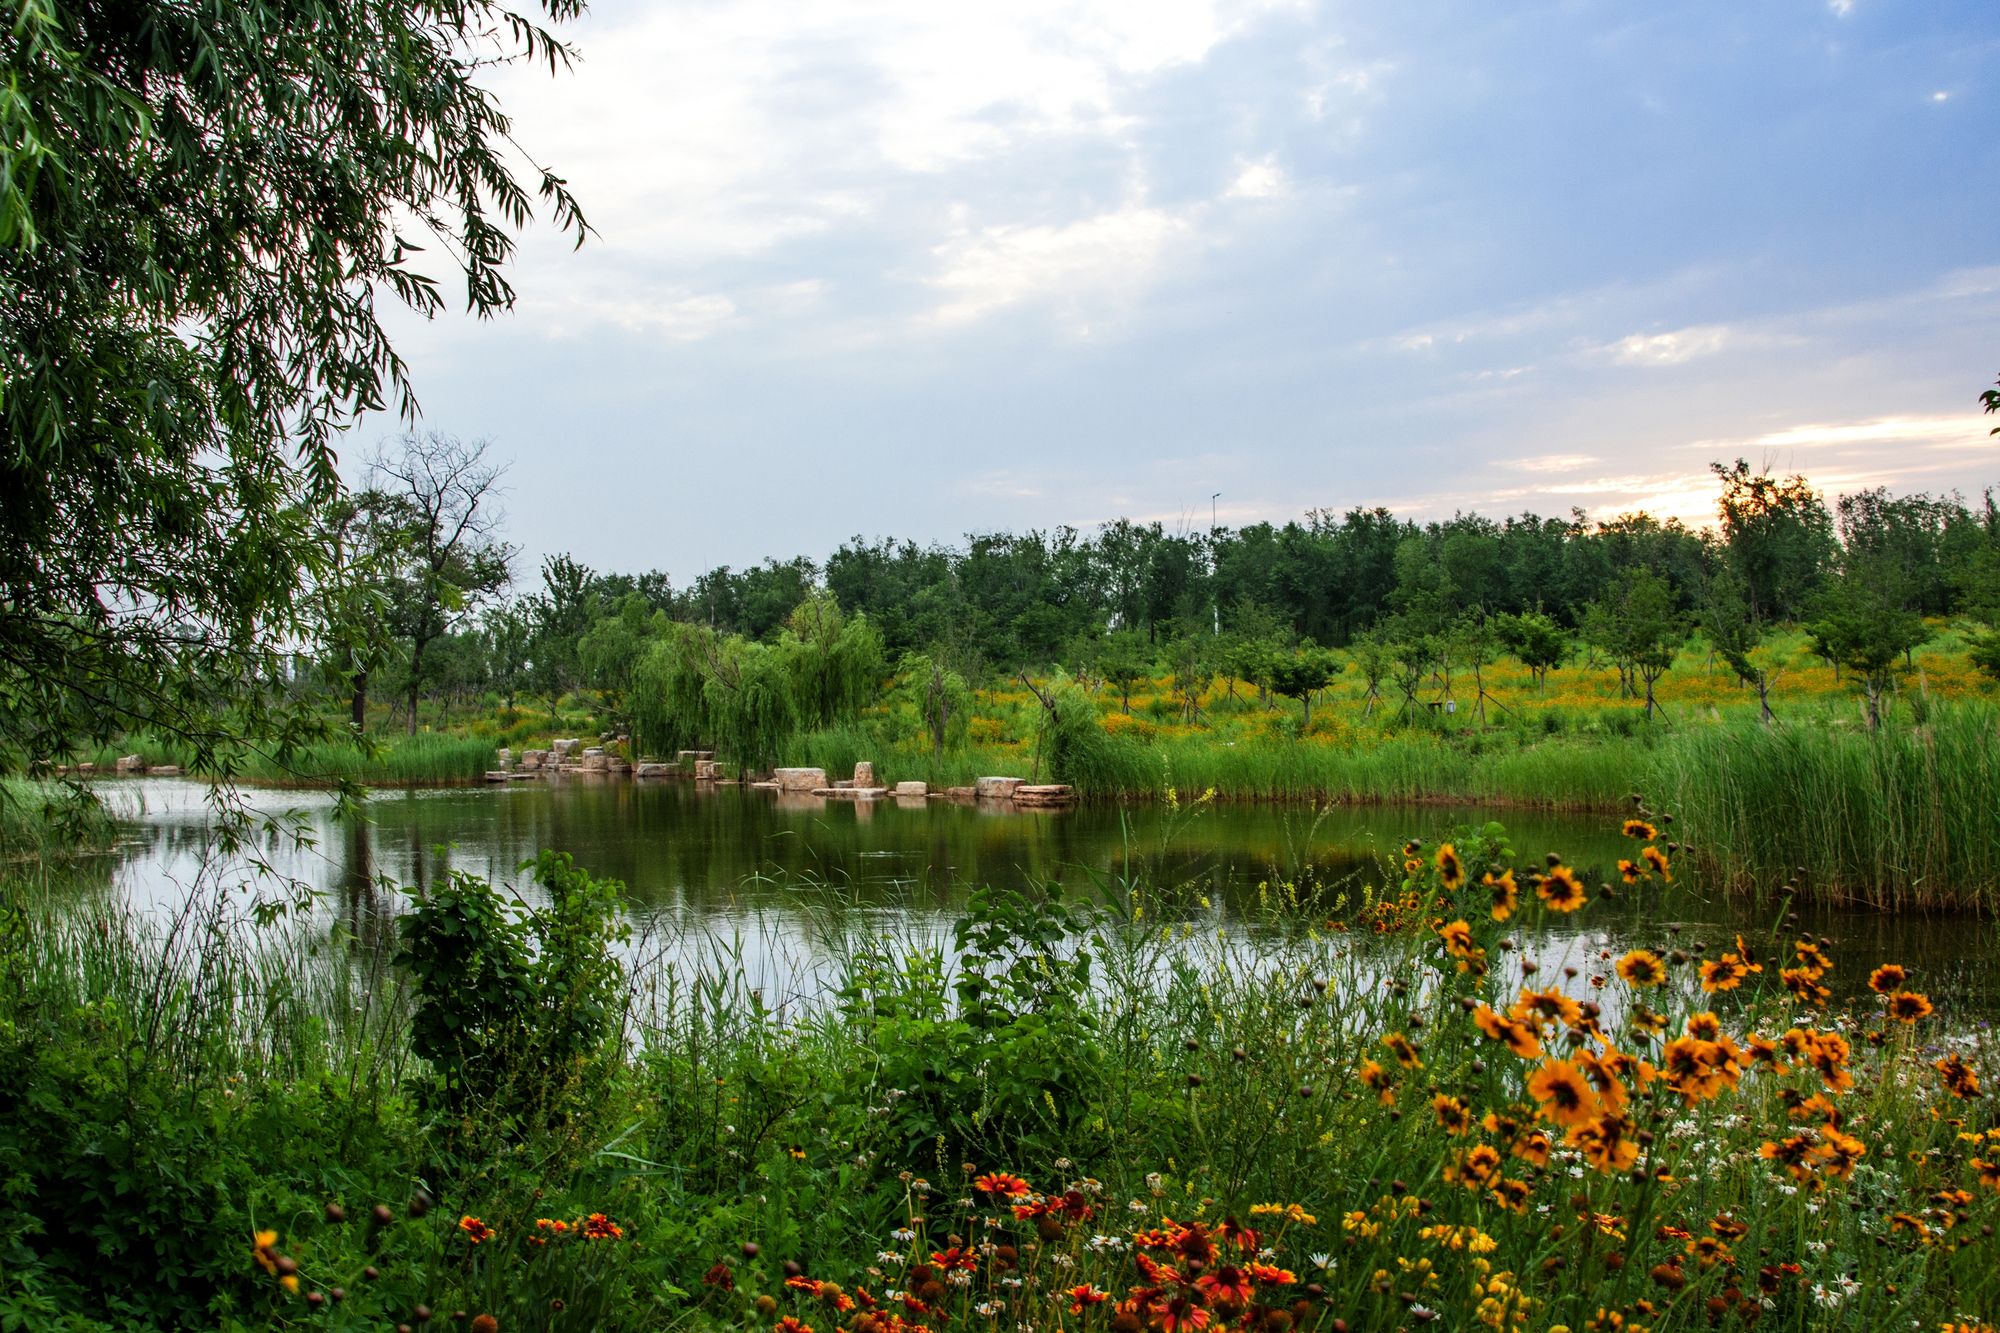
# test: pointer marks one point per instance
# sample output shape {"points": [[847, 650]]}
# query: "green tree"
{"points": [[1302, 673], [1860, 623], [835, 660], [610, 653], [448, 560], [941, 697], [506, 630], [1536, 642], [201, 211], [1735, 635], [1126, 660], [1779, 537], [1640, 624]]}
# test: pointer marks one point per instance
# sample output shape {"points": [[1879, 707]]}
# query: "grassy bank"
{"points": [[1061, 1122], [427, 758], [1902, 818]]}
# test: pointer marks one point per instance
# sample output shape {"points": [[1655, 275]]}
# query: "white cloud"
{"points": [[1080, 264], [1550, 462], [1257, 180], [1670, 349], [1841, 8]]}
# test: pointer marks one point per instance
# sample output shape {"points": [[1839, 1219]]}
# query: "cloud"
{"points": [[1257, 180], [1550, 463], [1671, 349], [1078, 264]]}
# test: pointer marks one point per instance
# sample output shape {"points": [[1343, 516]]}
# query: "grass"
{"points": [[1900, 819], [188, 1102]]}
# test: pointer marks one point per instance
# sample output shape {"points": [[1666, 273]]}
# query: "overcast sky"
{"points": [[908, 268]]}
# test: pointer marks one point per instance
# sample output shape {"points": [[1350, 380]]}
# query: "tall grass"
{"points": [[1903, 818], [425, 758]]}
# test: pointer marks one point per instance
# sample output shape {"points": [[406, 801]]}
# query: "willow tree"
{"points": [[202, 208], [834, 661]]}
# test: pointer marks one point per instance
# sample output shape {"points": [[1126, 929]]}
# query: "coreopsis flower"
{"points": [[1642, 967], [1451, 870], [1563, 1093], [1888, 978], [1561, 889]]}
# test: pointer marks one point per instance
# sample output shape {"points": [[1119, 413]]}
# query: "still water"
{"points": [[759, 874]]}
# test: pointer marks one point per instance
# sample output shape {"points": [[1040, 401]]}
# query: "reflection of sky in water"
{"points": [[729, 879]]}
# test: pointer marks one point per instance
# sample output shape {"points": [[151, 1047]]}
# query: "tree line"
{"points": [[424, 605]]}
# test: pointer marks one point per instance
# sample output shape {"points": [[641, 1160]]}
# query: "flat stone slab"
{"points": [[996, 789], [800, 779], [913, 789], [853, 793], [498, 775], [764, 786], [1050, 794], [657, 771]]}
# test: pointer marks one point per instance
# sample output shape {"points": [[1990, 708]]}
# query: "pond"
{"points": [[766, 876]]}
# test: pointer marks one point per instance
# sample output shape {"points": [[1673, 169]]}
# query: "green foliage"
{"points": [[516, 1009], [1302, 673], [1860, 624], [1536, 642], [198, 221]]}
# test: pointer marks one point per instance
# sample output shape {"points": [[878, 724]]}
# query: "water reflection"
{"points": [[781, 884]]}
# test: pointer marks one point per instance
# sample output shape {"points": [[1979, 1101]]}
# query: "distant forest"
{"points": [[425, 548]]}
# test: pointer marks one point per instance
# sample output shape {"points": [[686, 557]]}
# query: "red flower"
{"points": [[599, 1227], [474, 1229]]}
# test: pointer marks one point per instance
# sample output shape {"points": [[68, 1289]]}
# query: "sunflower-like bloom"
{"points": [[1837, 1153], [1473, 1167], [1804, 984], [1506, 894], [1561, 889], [1630, 871], [1810, 955], [1452, 1113], [1657, 859], [1403, 1049], [1907, 1006], [1888, 978], [1520, 1038], [475, 1230], [1608, 1142], [1451, 870], [1002, 1183], [1458, 942], [1959, 1078], [1547, 1008], [1640, 829], [1374, 1076], [1563, 1092], [1642, 967]]}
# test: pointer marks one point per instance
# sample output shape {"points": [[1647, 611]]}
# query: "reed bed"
{"points": [[1901, 819]]}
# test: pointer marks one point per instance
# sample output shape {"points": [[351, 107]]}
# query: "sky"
{"points": [[896, 268]]}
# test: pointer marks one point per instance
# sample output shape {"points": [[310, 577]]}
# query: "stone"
{"points": [[687, 757], [864, 773], [764, 786], [656, 771], [593, 752], [131, 763], [853, 793], [86, 767], [534, 758], [801, 779], [1049, 795], [967, 794], [913, 789], [562, 749], [996, 789], [504, 757], [498, 775], [707, 770], [167, 771], [597, 762]]}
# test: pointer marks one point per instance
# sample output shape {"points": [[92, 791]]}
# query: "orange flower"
{"points": [[1506, 893], [1642, 967], [1000, 1182], [475, 1230], [1451, 870], [1403, 1049], [599, 1227], [1907, 1006], [1561, 889], [1657, 859], [1888, 978], [1564, 1093], [1640, 829]]}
